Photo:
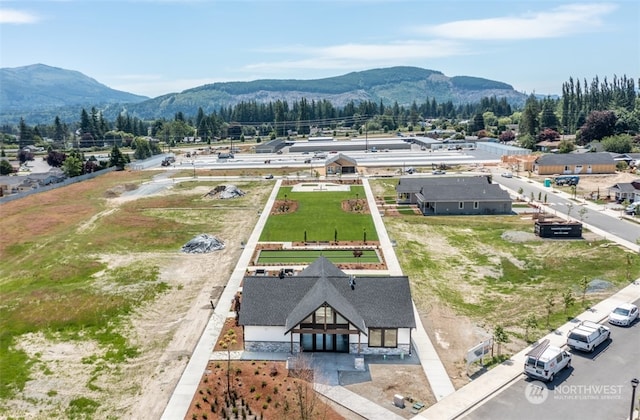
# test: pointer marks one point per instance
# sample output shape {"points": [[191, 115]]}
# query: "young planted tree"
{"points": [[530, 322], [500, 336], [549, 303], [306, 398], [584, 285], [582, 213], [229, 340], [568, 299]]}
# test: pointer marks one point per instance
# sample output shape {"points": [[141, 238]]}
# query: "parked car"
{"points": [[632, 209], [587, 336], [624, 315], [438, 172], [544, 361], [507, 175]]}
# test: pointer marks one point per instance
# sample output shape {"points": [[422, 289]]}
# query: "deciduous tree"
{"points": [[599, 124]]}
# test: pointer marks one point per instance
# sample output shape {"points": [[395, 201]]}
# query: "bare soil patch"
{"points": [[358, 206], [254, 390], [284, 207]]}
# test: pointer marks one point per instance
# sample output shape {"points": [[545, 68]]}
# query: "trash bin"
{"points": [[547, 182]]}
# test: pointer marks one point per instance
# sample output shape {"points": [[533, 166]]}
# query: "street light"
{"points": [[366, 136], [634, 385], [193, 162]]}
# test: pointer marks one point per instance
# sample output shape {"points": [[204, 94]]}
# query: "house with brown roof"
{"points": [[322, 309]]}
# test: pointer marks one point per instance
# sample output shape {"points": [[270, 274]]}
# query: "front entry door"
{"points": [[325, 342]]}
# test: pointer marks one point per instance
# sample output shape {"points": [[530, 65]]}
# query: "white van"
{"points": [[545, 360]]}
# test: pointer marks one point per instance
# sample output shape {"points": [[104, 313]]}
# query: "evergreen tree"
{"points": [[477, 123], [548, 118], [85, 123], [529, 119], [26, 134], [117, 159], [59, 130]]}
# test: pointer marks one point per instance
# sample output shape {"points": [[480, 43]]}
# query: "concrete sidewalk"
{"points": [[474, 393], [187, 386], [436, 374]]}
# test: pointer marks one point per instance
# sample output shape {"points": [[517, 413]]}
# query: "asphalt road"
{"points": [[596, 386], [615, 226], [392, 158]]}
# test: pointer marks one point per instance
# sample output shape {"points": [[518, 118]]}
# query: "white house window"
{"points": [[476, 205], [383, 337], [460, 205]]}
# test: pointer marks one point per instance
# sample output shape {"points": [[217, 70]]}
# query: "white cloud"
{"points": [[355, 56], [561, 21], [17, 16], [154, 85]]}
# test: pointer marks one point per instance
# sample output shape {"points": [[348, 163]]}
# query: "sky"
{"points": [[155, 47]]}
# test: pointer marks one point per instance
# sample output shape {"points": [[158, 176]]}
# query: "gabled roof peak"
{"points": [[322, 268]]}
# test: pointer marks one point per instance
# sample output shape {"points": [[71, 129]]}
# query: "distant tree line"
{"points": [[601, 110]]}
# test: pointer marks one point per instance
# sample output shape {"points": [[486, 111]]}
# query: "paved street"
{"points": [[597, 386]]}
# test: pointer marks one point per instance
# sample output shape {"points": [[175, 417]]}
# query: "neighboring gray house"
{"points": [[629, 191], [322, 309], [454, 195]]}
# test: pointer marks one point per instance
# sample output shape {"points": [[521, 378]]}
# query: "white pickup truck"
{"points": [[587, 336]]}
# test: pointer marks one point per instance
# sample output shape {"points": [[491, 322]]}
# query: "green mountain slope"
{"points": [[38, 93]]}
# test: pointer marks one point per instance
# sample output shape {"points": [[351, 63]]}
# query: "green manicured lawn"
{"points": [[308, 256], [320, 215]]}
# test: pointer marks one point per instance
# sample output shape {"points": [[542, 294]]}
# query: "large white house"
{"points": [[322, 309]]}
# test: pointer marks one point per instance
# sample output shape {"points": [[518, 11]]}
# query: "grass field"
{"points": [[50, 265], [308, 256], [471, 264], [320, 215]]}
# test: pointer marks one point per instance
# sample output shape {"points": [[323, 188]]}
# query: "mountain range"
{"points": [[38, 93]]}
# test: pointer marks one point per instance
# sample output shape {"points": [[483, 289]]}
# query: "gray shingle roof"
{"points": [[488, 192], [576, 159], [341, 157], [375, 302], [415, 184], [628, 187], [453, 188]]}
